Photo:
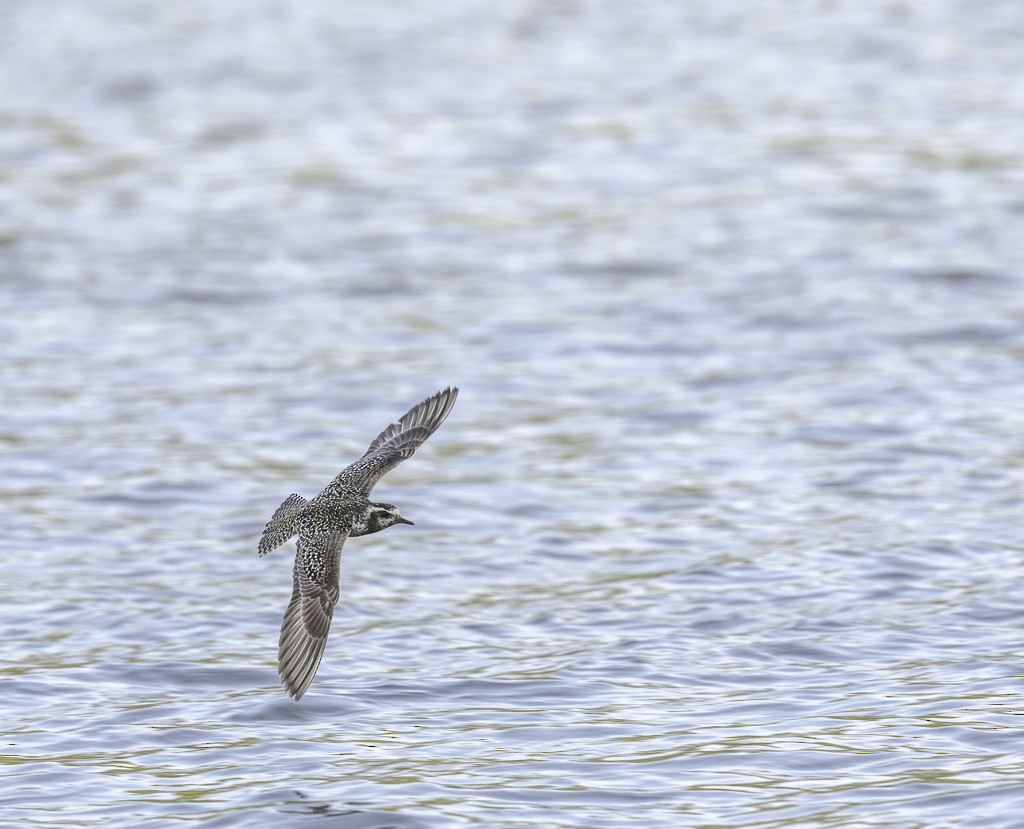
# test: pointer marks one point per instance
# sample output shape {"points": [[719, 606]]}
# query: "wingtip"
{"points": [[448, 394], [296, 686]]}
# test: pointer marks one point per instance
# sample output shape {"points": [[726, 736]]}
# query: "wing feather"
{"points": [[398, 441], [307, 621]]}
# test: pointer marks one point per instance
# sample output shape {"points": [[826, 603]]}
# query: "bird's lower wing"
{"points": [[307, 621]]}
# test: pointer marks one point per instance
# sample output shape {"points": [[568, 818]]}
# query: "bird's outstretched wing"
{"points": [[398, 441], [307, 621]]}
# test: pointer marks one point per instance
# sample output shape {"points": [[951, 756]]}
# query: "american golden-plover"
{"points": [[342, 510]]}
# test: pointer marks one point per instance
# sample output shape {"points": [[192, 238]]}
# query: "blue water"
{"points": [[724, 529]]}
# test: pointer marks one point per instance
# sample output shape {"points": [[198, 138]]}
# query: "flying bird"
{"points": [[341, 511]]}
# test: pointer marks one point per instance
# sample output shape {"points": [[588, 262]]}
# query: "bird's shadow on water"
{"points": [[274, 706], [271, 707], [295, 809]]}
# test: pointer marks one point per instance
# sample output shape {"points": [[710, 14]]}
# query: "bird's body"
{"points": [[322, 524]]}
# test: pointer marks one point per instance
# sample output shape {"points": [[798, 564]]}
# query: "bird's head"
{"points": [[380, 517]]}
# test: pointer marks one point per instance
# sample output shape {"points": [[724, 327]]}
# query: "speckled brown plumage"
{"points": [[342, 510]]}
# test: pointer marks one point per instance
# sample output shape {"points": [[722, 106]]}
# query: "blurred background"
{"points": [[724, 529]]}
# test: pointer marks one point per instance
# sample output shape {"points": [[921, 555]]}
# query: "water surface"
{"points": [[724, 529]]}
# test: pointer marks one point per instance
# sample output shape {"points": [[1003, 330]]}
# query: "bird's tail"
{"points": [[282, 526]]}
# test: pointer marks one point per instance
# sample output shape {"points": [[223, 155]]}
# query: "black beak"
{"points": [[403, 520]]}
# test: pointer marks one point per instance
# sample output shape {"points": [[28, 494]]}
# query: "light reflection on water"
{"points": [[723, 529]]}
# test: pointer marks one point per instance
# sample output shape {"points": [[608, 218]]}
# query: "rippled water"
{"points": [[724, 529]]}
